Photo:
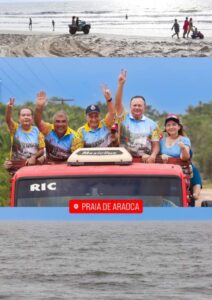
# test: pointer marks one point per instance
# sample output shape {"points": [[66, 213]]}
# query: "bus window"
{"points": [[155, 191]]}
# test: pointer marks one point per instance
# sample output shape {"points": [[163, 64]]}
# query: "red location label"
{"points": [[105, 206]]}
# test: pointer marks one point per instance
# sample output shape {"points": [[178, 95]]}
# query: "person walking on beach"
{"points": [[190, 27], [30, 23], [53, 25], [185, 27], [176, 28]]}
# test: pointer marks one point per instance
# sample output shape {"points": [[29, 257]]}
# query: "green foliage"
{"points": [[199, 129], [4, 151]]}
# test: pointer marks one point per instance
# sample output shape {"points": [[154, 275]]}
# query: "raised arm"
{"points": [[8, 116], [119, 93], [41, 101], [110, 117]]}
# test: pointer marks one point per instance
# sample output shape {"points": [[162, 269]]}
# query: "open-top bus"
{"points": [[100, 173]]}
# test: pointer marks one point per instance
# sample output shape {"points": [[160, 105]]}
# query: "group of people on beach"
{"points": [[75, 21], [54, 142], [30, 24], [188, 28]]}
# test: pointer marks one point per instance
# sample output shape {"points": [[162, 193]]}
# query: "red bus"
{"points": [[98, 174]]}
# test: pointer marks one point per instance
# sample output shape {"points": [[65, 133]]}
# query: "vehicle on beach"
{"points": [[81, 26], [98, 174]]}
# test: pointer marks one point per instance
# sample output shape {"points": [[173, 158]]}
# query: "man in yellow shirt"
{"points": [[97, 132], [60, 139], [27, 142]]}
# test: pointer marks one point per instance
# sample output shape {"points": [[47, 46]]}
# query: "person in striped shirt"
{"points": [[27, 142], [97, 132], [60, 139]]}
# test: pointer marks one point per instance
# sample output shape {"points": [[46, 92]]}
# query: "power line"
{"points": [[32, 71], [3, 85], [20, 75], [51, 75], [11, 79]]}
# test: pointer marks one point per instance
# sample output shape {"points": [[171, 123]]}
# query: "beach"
{"points": [[141, 29], [37, 44]]}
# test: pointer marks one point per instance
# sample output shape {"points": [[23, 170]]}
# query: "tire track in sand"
{"points": [[50, 46]]}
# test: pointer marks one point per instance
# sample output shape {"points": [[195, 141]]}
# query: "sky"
{"points": [[168, 84]]}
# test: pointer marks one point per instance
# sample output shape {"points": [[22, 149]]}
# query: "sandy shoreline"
{"points": [[37, 44]]}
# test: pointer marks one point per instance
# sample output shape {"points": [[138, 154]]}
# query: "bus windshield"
{"points": [[155, 191]]}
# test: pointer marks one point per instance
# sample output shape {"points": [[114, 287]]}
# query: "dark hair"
{"points": [[141, 97], [19, 112], [180, 131]]}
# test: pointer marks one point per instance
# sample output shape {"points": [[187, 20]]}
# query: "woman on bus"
{"points": [[175, 144]]}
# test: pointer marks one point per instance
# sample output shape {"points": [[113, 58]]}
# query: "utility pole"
{"points": [[62, 101]]}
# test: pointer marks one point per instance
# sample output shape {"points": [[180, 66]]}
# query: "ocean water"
{"points": [[145, 17], [102, 260]]}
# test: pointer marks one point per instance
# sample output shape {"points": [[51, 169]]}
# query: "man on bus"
{"points": [[27, 142], [60, 139]]}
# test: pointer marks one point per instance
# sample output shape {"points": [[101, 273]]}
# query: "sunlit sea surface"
{"points": [[105, 260], [145, 17]]}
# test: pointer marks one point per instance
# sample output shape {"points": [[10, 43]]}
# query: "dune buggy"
{"points": [[80, 26]]}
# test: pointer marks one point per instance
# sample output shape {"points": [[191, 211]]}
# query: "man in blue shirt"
{"points": [[97, 132], [60, 139], [138, 134], [196, 184]]}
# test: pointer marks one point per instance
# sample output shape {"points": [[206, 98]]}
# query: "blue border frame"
{"points": [[149, 214]]}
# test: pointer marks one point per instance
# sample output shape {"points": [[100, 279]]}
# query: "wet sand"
{"points": [[36, 44]]}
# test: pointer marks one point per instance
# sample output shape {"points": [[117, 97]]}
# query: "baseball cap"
{"points": [[92, 108], [172, 117]]}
